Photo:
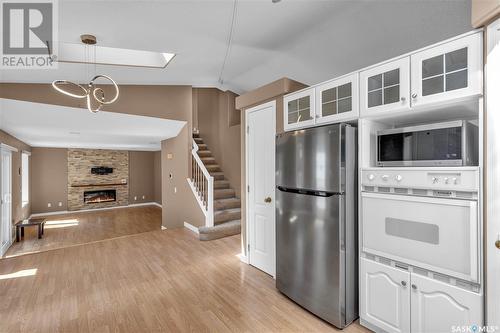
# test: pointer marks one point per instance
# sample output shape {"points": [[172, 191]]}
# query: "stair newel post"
{"points": [[210, 210]]}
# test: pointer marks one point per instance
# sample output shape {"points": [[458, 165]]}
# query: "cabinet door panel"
{"points": [[447, 71], [385, 88], [438, 307], [299, 109], [337, 100], [384, 296]]}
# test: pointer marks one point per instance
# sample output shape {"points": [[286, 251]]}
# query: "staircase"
{"points": [[224, 220]]}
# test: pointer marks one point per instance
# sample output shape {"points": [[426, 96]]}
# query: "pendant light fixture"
{"points": [[94, 96]]}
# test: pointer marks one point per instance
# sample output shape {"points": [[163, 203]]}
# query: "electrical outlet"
{"points": [[143, 197], [49, 205], [60, 204], [175, 189], [135, 198]]}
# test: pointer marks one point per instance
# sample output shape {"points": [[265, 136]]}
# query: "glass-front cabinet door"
{"points": [[299, 109], [385, 88], [337, 100], [447, 71]]}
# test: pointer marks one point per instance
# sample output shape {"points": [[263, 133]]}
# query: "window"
{"points": [[25, 176]]}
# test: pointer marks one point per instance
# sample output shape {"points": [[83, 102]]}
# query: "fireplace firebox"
{"points": [[90, 197]]}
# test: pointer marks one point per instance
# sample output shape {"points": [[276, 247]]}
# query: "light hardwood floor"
{"points": [[155, 281], [85, 227]]}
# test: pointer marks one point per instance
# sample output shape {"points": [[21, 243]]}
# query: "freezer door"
{"points": [[310, 159], [309, 261]]}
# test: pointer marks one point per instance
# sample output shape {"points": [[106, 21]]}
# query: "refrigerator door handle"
{"points": [[308, 192]]}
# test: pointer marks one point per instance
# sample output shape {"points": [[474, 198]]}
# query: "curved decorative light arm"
{"points": [[99, 90], [56, 84]]}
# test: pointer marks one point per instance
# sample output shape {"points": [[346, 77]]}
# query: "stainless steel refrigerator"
{"points": [[316, 220]]}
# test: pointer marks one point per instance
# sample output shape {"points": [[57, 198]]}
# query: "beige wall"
{"points": [[49, 179], [220, 130], [273, 91], [18, 211], [157, 176], [177, 196], [142, 176], [484, 11]]}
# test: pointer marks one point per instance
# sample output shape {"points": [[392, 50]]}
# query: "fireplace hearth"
{"points": [[99, 196]]}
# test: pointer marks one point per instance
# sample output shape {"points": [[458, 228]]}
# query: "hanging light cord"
{"points": [[229, 41]]}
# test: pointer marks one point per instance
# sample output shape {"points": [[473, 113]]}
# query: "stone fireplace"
{"points": [[89, 189]]}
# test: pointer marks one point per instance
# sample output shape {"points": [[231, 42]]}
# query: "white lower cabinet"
{"points": [[385, 296], [395, 300], [440, 307]]}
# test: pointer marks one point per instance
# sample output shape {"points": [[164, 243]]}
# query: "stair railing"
{"points": [[202, 184]]}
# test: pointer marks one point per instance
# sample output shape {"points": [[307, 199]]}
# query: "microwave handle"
{"points": [[474, 239]]}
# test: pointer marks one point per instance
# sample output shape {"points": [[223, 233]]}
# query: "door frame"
{"points": [[6, 149], [257, 108]]}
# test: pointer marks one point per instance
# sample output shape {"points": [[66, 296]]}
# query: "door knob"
{"points": [[414, 286], [268, 199], [497, 244], [403, 283]]}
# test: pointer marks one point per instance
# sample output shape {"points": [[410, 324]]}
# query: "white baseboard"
{"points": [[243, 258], [156, 204], [191, 227], [63, 212], [163, 228]]}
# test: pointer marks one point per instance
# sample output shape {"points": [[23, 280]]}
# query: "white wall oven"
{"points": [[428, 218], [452, 143]]}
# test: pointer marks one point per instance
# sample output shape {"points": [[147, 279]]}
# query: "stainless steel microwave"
{"points": [[453, 143]]}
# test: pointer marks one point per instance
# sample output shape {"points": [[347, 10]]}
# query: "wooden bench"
{"points": [[39, 222]]}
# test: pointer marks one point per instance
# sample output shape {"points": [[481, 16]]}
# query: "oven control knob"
{"points": [[455, 181], [446, 180], [399, 178], [371, 176], [435, 180], [385, 178]]}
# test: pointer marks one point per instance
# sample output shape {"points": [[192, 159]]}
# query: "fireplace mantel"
{"points": [[98, 185]]}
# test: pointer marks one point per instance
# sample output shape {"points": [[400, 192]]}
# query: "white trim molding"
{"points": [[243, 258], [63, 212], [191, 228], [7, 147]]}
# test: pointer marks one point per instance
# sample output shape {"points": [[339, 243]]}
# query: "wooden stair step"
{"points": [[221, 230], [196, 135], [213, 167], [227, 203], [204, 153], [221, 184], [208, 160], [198, 140], [217, 175], [227, 215], [202, 146], [224, 193]]}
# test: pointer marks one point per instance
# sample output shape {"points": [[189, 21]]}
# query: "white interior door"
{"points": [[260, 157], [6, 208], [493, 176]]}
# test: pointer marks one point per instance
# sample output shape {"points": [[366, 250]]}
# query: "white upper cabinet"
{"points": [[337, 100], [452, 70], [299, 110], [438, 307], [385, 88]]}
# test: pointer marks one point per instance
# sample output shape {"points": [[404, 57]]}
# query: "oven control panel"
{"points": [[456, 179]]}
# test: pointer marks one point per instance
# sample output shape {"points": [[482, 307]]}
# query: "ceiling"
{"points": [[44, 125], [307, 40]]}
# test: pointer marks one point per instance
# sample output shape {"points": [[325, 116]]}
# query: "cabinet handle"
{"points": [[497, 244], [268, 200], [414, 95], [403, 99], [414, 287], [403, 283]]}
